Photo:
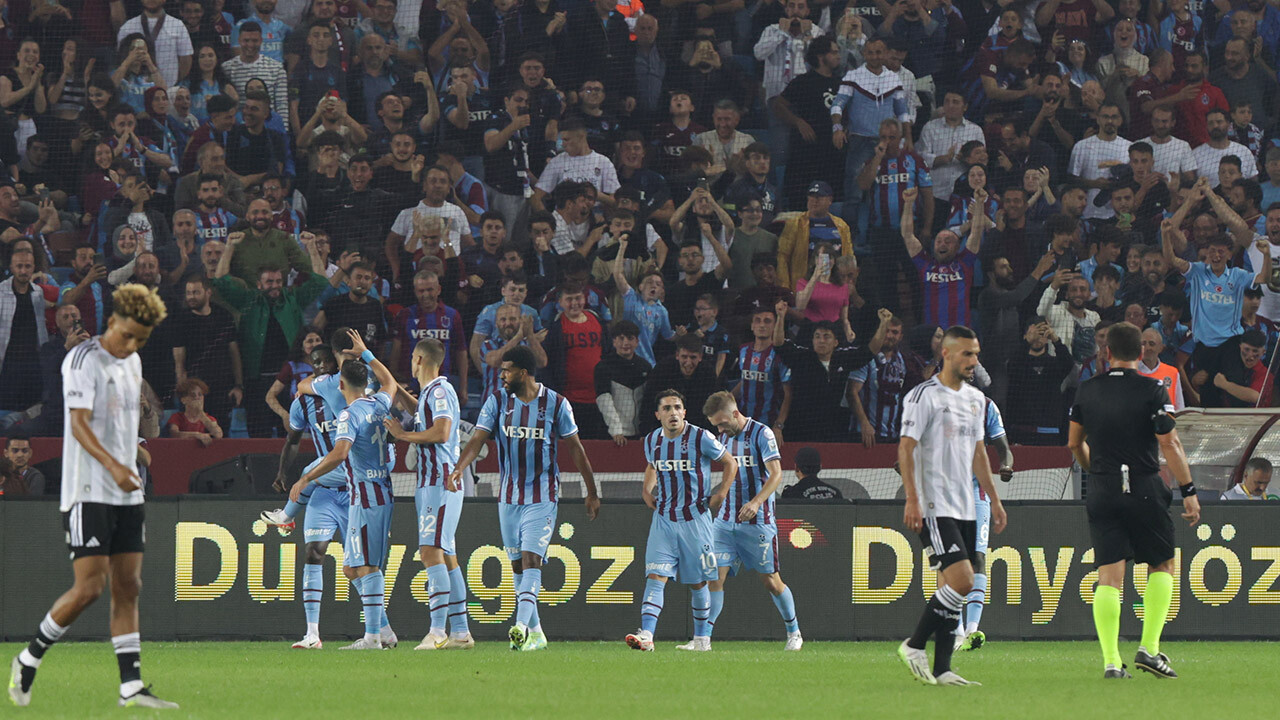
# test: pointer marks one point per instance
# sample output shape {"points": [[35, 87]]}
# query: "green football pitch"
{"points": [[608, 680]]}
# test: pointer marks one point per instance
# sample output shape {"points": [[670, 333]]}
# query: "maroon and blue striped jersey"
{"points": [[213, 226], [366, 465], [946, 287], [444, 324], [438, 401], [896, 173], [752, 448], [528, 435], [763, 375], [683, 465]]}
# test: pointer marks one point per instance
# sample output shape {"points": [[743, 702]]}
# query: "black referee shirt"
{"points": [[1119, 411]]}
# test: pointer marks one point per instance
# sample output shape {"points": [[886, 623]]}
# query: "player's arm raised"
{"points": [[583, 463], [380, 371], [126, 478], [982, 471], [727, 477]]}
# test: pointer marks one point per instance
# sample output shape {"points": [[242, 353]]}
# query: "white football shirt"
{"points": [[947, 425], [94, 379]]}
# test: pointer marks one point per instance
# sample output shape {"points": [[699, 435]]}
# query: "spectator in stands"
{"points": [[764, 387], [999, 308], [261, 244], [1071, 319], [752, 182], [808, 486], [22, 332], [255, 151], [86, 288], [205, 346], [643, 307], [1240, 380], [726, 143], [251, 63], [803, 106], [1092, 158], [193, 421], [212, 162], [430, 317], [28, 480], [577, 162], [274, 30], [45, 418], [1151, 366], [685, 371], [513, 329], [168, 40], [270, 314], [947, 275], [749, 239], [356, 309], [1253, 486], [1244, 81], [437, 189], [1209, 156], [133, 207], [1036, 412], [222, 118], [213, 222], [683, 295], [876, 389], [619, 382], [820, 297], [574, 345], [802, 234]]}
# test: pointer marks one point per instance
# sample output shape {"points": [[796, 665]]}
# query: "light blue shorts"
{"points": [[327, 512], [527, 528], [438, 513], [743, 545], [681, 550], [368, 536], [982, 510]]}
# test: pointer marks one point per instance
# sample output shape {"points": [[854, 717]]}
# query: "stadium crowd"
{"points": [[789, 199]]}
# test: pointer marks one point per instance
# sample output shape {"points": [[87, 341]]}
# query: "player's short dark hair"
{"points": [[959, 332], [570, 288], [250, 26], [1108, 235], [431, 350], [328, 138], [522, 358], [819, 47], [1124, 340], [355, 374], [322, 354], [624, 328], [668, 393], [827, 325], [1231, 160], [339, 340], [515, 277], [1252, 190]]}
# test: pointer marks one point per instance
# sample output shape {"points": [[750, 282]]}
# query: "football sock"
{"points": [[1155, 609], [1106, 618], [438, 596], [937, 612], [973, 604], [527, 599], [47, 634], [701, 604], [651, 608], [717, 604], [457, 602], [786, 604], [312, 591], [371, 590], [944, 640], [291, 509], [128, 657]]}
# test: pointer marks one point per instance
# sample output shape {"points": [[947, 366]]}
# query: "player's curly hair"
{"points": [[139, 303]]}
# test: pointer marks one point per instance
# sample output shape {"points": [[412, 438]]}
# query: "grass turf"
{"points": [[268, 680]]}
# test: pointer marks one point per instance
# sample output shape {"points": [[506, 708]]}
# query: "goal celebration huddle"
{"points": [[711, 492]]}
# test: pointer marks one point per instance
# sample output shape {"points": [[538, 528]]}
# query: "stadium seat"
{"points": [[229, 477]]}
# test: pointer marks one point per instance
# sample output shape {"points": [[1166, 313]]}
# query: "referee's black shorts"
{"points": [[1130, 526], [100, 529], [947, 541]]}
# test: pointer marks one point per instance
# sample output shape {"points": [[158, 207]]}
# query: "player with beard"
{"points": [[941, 452]]}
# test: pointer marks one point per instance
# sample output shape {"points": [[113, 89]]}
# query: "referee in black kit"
{"points": [[1117, 423]]}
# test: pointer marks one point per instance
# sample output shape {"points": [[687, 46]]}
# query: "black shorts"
{"points": [[1130, 526], [1208, 359], [947, 541], [98, 529]]}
